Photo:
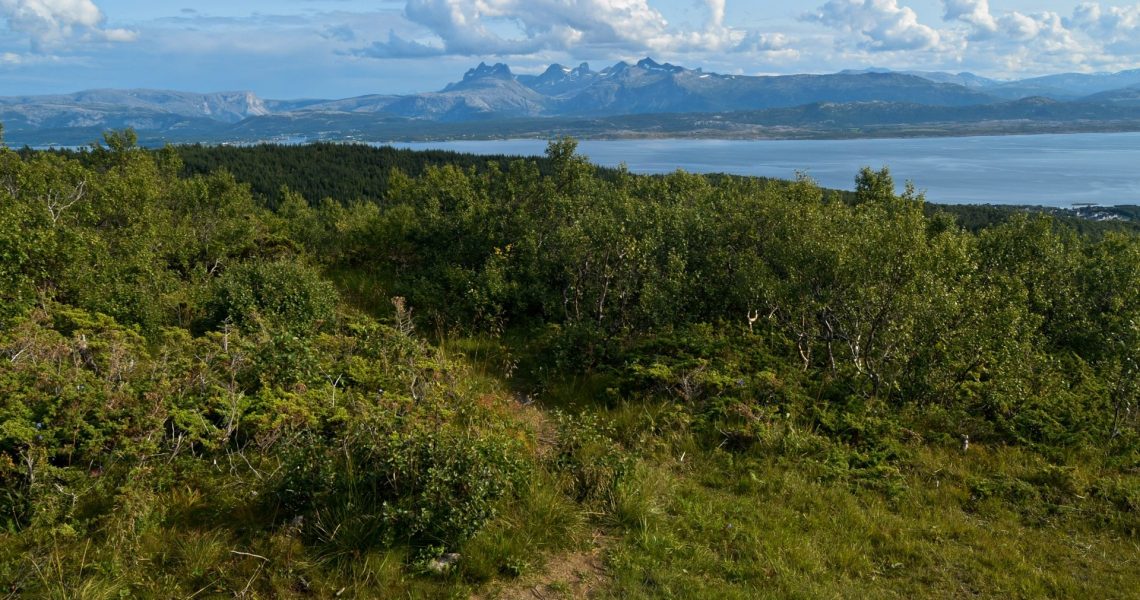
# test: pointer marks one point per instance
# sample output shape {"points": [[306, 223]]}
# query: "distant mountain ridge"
{"points": [[1068, 86], [228, 107], [494, 93], [1129, 96], [649, 87]]}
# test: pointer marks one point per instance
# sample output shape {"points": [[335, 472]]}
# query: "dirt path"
{"points": [[570, 575]]}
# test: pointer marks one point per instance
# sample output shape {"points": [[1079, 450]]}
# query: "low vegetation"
{"points": [[720, 387]]}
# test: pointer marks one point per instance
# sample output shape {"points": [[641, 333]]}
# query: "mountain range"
{"points": [[491, 98]]}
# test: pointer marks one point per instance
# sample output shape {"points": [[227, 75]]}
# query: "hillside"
{"points": [[510, 378]]}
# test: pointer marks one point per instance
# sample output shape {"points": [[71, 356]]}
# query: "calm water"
{"points": [[1051, 170]]}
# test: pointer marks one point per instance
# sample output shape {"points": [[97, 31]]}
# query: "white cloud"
{"points": [[716, 13], [49, 23], [1018, 40], [1022, 28], [775, 47], [118, 35], [1047, 30], [522, 27], [1117, 28], [400, 47], [973, 12], [763, 42], [1111, 20], [882, 25]]}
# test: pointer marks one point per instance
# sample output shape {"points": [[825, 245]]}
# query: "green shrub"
{"points": [[572, 349], [381, 485], [285, 295], [588, 457]]}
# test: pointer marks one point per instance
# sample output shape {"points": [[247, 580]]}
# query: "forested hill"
{"points": [[529, 378], [347, 173], [343, 172]]}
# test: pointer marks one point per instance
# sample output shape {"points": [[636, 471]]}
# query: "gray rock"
{"points": [[444, 563]]}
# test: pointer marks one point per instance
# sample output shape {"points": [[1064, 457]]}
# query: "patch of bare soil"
{"points": [[571, 575]]}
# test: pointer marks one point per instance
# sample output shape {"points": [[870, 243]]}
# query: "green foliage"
{"points": [[587, 456], [282, 295], [378, 486], [345, 172], [544, 519], [201, 396]]}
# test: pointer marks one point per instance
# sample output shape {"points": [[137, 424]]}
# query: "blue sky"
{"points": [[340, 48]]}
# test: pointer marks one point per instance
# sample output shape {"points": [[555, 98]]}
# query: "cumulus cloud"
{"points": [[883, 25], [763, 42], [1047, 29], [1024, 28], [50, 22], [771, 46], [716, 13], [973, 35], [1017, 37], [1116, 27], [1017, 26], [520, 27], [972, 12], [1112, 20], [400, 47]]}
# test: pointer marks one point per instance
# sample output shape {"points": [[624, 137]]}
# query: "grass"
{"points": [[762, 526], [543, 522], [793, 516], [184, 559]]}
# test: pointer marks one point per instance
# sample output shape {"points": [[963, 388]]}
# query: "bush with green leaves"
{"points": [[587, 456], [386, 482], [283, 295]]}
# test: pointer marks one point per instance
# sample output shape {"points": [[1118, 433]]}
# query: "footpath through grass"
{"points": [[801, 515]]}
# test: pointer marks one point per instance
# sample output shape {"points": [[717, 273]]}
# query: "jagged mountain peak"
{"points": [[651, 65], [617, 68], [483, 76], [557, 72], [497, 71], [555, 69], [579, 70]]}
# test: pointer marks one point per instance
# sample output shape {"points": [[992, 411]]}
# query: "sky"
{"points": [[340, 48]]}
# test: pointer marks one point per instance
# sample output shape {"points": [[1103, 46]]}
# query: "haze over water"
{"points": [[1047, 170]]}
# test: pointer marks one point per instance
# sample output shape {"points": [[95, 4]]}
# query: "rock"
{"points": [[444, 563]]}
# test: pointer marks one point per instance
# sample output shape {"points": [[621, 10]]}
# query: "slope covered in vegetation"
{"points": [[731, 388]]}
